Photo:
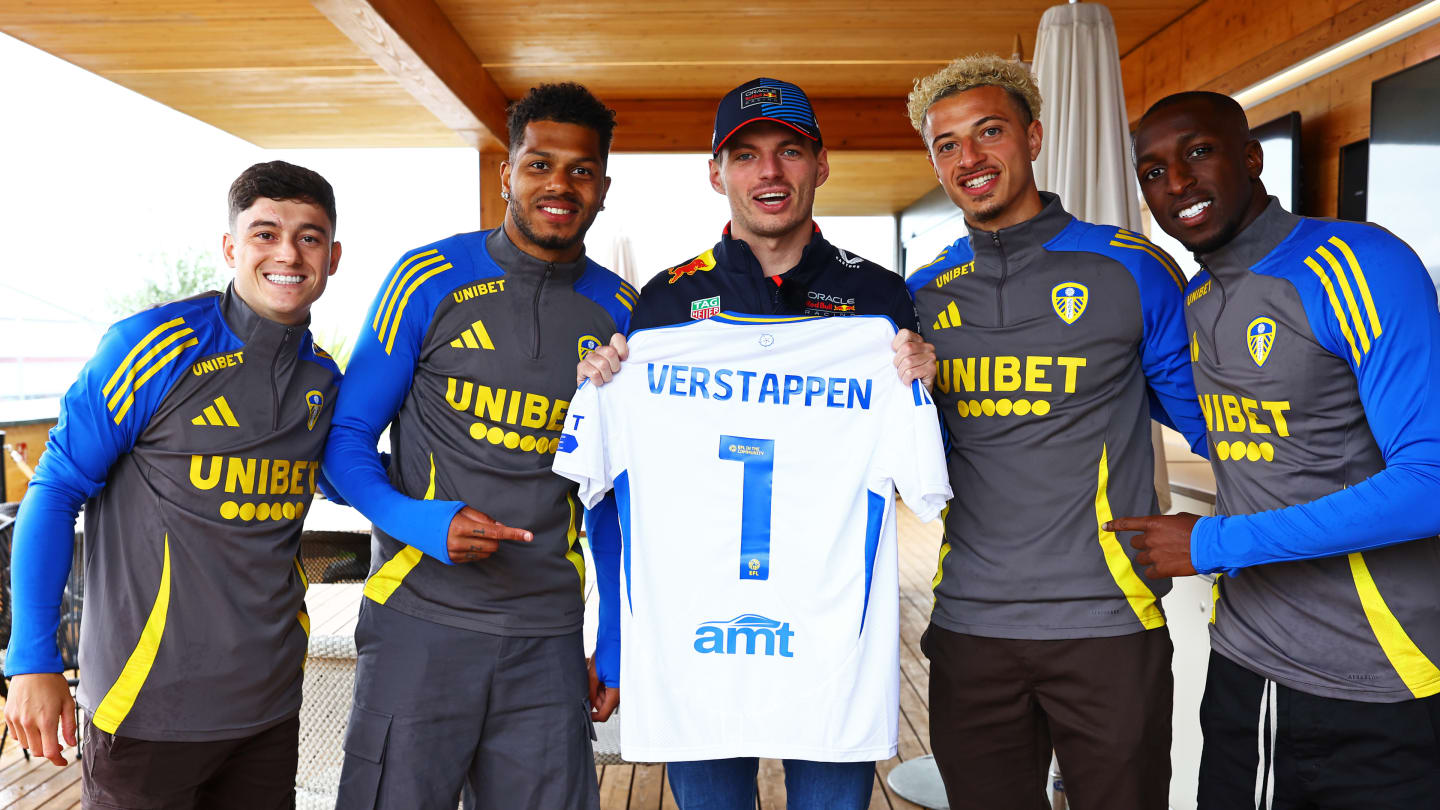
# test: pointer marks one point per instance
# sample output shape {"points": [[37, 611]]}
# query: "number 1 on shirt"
{"points": [[758, 456]]}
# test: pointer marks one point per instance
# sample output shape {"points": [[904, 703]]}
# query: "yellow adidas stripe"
{"points": [[405, 301], [624, 302], [944, 552], [1334, 305], [387, 322], [1420, 675], [145, 341], [574, 553], [120, 698], [389, 577], [226, 415], [1349, 299], [139, 365], [1137, 593], [304, 580], [1165, 261], [150, 372], [394, 281], [1360, 282], [628, 292], [1215, 596]]}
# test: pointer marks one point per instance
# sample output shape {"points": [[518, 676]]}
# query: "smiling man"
{"points": [[1058, 341], [768, 159], [1316, 351], [195, 627], [471, 670]]}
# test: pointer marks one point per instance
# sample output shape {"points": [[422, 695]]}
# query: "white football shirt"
{"points": [[755, 462]]}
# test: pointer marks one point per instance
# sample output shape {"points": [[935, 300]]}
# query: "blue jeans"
{"points": [[729, 784]]}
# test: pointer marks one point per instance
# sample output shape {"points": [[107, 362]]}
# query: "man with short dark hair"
{"points": [[193, 437], [471, 670], [1058, 341], [1315, 346]]}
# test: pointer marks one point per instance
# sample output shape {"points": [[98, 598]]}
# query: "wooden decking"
{"points": [[38, 784], [643, 787]]}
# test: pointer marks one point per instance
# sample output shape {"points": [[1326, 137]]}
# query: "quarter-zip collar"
{"points": [[1252, 244], [516, 261], [1017, 243], [250, 326], [734, 256]]}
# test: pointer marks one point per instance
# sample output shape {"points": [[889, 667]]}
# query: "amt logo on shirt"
{"points": [[745, 634]]}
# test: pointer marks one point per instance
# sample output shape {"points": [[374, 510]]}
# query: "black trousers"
{"points": [[250, 773], [997, 706], [1269, 746]]}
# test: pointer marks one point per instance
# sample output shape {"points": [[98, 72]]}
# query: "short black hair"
{"points": [[1222, 105], [565, 103], [278, 180]]}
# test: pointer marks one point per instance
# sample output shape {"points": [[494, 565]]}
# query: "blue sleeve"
{"points": [[602, 527], [377, 380], [101, 417], [1165, 350], [1398, 377]]}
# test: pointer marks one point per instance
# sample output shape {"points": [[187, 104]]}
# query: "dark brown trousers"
{"points": [[250, 773], [999, 706]]}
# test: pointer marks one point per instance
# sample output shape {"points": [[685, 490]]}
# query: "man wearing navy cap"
{"points": [[767, 159]]}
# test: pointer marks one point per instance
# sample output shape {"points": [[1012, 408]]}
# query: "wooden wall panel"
{"points": [[1228, 45]]}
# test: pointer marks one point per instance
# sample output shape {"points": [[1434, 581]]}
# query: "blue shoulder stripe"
{"points": [[614, 294], [148, 352], [1139, 255], [456, 260], [954, 255]]}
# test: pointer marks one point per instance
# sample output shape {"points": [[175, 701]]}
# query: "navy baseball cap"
{"points": [[763, 100]]}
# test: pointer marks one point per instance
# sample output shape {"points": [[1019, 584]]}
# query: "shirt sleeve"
{"points": [[1390, 338], [602, 528], [377, 379], [914, 454], [583, 455], [1165, 354], [101, 417]]}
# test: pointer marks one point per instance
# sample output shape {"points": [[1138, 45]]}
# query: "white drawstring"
{"points": [[1265, 772]]}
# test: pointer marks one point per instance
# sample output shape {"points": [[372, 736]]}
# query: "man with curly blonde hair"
{"points": [[1057, 341]]}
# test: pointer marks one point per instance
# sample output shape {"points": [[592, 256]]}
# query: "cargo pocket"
{"points": [[364, 759]]}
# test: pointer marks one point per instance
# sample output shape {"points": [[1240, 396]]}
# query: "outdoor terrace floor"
{"points": [[37, 785]]}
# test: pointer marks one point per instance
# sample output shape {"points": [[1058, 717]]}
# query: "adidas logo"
{"points": [[949, 317], [217, 414], [474, 338]]}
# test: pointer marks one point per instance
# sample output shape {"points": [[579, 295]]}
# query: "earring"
{"points": [[505, 195]]}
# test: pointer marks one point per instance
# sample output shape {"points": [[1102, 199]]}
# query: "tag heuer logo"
{"points": [[702, 308]]}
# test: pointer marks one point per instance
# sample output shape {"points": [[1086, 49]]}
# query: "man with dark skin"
{"points": [[1315, 346], [470, 630]]}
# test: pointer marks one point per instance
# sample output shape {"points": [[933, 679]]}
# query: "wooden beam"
{"points": [[686, 125], [492, 206], [416, 43]]}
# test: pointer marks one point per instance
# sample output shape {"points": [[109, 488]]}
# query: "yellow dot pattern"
{"points": [[512, 440], [1241, 450], [230, 510], [1002, 407]]}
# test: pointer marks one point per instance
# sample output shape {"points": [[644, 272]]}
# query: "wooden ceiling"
{"points": [[367, 73]]}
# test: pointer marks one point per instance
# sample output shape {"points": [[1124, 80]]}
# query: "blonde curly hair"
{"points": [[969, 72]]}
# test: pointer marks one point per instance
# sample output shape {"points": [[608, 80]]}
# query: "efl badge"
{"points": [[760, 95], [702, 308], [314, 401], [587, 344], [1260, 337], [1069, 300]]}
